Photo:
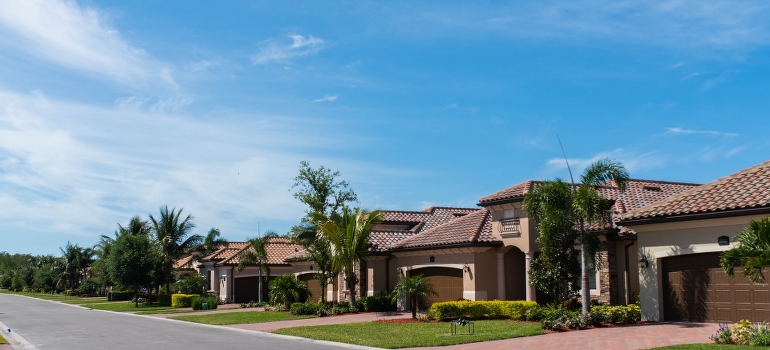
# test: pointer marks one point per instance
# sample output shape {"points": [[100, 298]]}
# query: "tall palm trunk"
{"points": [[584, 285]]}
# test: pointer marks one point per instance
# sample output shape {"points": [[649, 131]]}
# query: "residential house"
{"points": [[680, 241]]}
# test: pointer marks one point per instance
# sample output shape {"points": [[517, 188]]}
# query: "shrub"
{"points": [[164, 299], [307, 308], [617, 314], [515, 310], [723, 335], [182, 300], [190, 284], [197, 302], [120, 296], [378, 303], [286, 289], [761, 335], [743, 332]]}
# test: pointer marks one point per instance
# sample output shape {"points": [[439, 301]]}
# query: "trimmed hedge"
{"points": [[617, 314], [197, 302], [182, 300], [164, 299], [515, 310], [120, 296]]}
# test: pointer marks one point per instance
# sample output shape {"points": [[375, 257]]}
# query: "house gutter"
{"points": [[696, 216]]}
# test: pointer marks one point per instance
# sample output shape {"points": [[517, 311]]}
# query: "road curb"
{"points": [[17, 342]]}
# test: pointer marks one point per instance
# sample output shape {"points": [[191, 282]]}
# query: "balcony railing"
{"points": [[510, 225]]}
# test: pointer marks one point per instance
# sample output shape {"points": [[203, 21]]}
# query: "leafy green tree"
{"points": [[751, 251], [416, 289], [324, 195], [256, 255], [286, 289], [349, 242], [131, 262], [584, 207], [174, 239]]}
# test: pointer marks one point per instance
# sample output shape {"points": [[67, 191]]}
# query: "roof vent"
{"points": [[652, 188]]}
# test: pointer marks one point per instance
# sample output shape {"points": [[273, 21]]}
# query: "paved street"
{"points": [[54, 326]]}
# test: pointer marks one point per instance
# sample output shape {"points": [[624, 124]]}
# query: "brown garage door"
{"points": [[312, 286], [447, 282], [246, 289], [696, 288]]}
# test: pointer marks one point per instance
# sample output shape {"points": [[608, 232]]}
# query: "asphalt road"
{"points": [[54, 326]]}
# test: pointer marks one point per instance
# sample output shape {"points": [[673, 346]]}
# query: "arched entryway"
{"points": [[515, 275]]}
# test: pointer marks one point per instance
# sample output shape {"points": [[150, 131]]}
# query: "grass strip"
{"points": [[240, 317], [169, 311], [404, 335], [124, 306], [2, 340], [707, 347]]}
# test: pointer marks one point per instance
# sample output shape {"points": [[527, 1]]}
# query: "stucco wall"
{"points": [[658, 241]]}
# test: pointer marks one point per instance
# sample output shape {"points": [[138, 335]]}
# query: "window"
{"points": [[508, 214], [592, 280]]}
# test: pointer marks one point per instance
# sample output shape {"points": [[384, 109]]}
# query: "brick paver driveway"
{"points": [[642, 336]]}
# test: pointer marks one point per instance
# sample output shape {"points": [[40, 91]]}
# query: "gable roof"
{"points": [[423, 220], [513, 193], [278, 249], [474, 228], [748, 189]]}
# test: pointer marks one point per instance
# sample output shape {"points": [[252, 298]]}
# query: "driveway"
{"points": [[50, 325], [643, 336]]}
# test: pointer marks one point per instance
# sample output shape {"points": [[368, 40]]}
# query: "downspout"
{"points": [[628, 273]]}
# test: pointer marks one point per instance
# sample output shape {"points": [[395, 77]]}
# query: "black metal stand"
{"points": [[468, 326]]}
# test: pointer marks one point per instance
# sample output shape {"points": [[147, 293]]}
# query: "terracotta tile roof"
{"points": [[421, 221], [278, 249], [513, 192], [184, 263], [748, 188], [472, 228], [226, 252]]}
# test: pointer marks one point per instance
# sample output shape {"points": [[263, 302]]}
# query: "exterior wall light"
{"points": [[644, 263], [400, 270], [467, 268]]}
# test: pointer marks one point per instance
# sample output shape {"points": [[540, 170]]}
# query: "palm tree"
{"points": [[212, 242], [752, 251], [172, 235], [74, 260], [587, 207], [349, 242], [285, 289], [256, 255], [416, 288]]}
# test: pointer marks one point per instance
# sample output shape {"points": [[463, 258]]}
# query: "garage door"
{"points": [[447, 282], [312, 285], [696, 288], [246, 289]]}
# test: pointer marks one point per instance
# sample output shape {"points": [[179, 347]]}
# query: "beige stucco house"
{"points": [[680, 240]]}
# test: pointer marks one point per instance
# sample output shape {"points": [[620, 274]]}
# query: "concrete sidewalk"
{"points": [[318, 321], [643, 336]]}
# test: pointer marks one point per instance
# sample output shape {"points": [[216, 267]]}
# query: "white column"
{"points": [[527, 262], [501, 276]]}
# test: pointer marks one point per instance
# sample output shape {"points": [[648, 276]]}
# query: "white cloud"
{"points": [[271, 51], [327, 98], [682, 131], [78, 38]]}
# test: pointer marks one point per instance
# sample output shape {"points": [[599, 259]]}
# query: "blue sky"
{"points": [[109, 109]]}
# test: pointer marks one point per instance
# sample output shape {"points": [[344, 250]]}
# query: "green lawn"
{"points": [[124, 306], [83, 301], [55, 297], [240, 317], [404, 335], [708, 347], [170, 311]]}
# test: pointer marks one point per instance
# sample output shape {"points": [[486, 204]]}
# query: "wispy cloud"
{"points": [[272, 51], [677, 24], [712, 153], [675, 66], [682, 131], [76, 37], [710, 83], [327, 98], [634, 162]]}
